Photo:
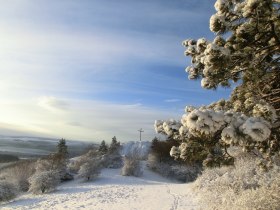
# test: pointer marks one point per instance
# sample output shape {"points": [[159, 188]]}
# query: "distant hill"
{"points": [[24, 146]]}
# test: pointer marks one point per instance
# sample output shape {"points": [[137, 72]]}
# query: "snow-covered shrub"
{"points": [[243, 186], [53, 162], [19, 174], [44, 181], [132, 164], [76, 163], [152, 161], [113, 160], [89, 170], [8, 191], [173, 169]]}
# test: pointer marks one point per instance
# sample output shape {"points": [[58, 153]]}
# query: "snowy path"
{"points": [[112, 191]]}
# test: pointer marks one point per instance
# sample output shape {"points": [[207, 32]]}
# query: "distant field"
{"points": [[4, 158], [28, 147]]}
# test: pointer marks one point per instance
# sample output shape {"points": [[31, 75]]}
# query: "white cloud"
{"points": [[53, 104], [172, 100]]}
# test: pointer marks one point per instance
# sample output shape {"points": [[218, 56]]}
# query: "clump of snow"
{"points": [[171, 126], [229, 135], [265, 111], [201, 44], [206, 83], [217, 22], [220, 5], [159, 126], [257, 128], [203, 122]]}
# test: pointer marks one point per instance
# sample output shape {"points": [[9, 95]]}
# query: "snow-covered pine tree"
{"points": [[246, 50]]}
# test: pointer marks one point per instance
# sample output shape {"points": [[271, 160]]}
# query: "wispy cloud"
{"points": [[53, 104], [172, 100], [84, 119]]}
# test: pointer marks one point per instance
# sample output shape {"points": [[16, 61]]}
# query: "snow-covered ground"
{"points": [[113, 192]]}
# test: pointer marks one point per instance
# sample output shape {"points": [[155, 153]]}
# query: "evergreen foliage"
{"points": [[246, 50], [114, 146], [162, 148], [62, 148], [103, 148]]}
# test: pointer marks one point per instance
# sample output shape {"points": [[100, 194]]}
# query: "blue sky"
{"points": [[93, 69]]}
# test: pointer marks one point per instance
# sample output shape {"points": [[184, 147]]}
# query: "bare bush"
{"points": [[8, 191], [244, 186], [153, 161], [19, 174], [132, 164], [44, 181], [89, 170]]}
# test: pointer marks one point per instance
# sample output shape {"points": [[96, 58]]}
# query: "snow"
{"points": [[256, 128], [203, 122], [115, 192], [141, 147]]}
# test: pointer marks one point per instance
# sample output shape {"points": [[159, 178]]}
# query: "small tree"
{"points": [[114, 146], [132, 164], [44, 181], [89, 170], [132, 167], [103, 148], [19, 174], [60, 160], [62, 148]]}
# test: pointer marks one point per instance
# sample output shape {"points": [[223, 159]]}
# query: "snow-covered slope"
{"points": [[113, 192]]}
